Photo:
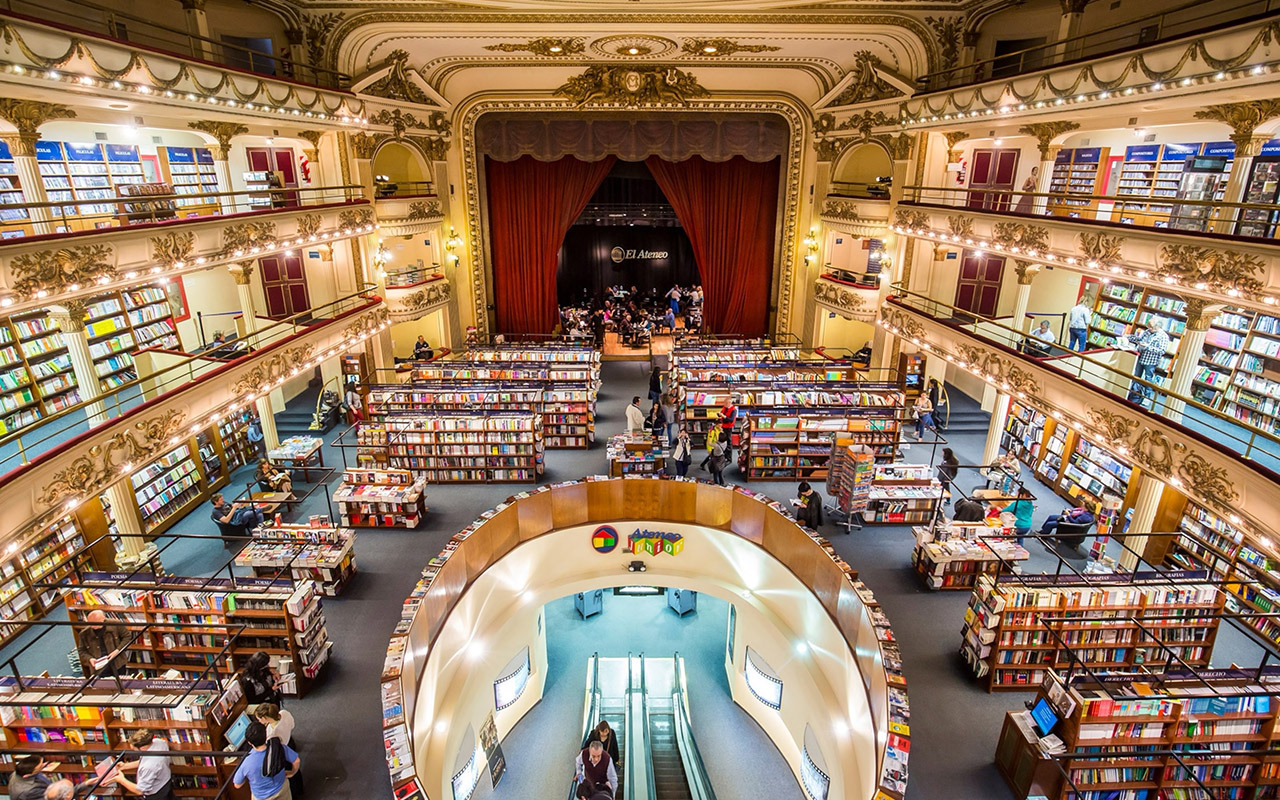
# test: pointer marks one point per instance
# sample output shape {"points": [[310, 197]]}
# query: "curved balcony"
{"points": [[1222, 462], [408, 215], [849, 298], [414, 293], [864, 217], [79, 451]]}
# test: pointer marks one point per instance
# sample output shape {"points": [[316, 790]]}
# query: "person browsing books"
{"points": [[30, 780], [280, 724], [809, 512], [1023, 510], [102, 648], [635, 416], [265, 787], [260, 681], [154, 780]]}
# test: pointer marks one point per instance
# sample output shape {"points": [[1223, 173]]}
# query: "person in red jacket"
{"points": [[728, 418]]}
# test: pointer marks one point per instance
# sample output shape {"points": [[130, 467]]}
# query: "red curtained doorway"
{"points": [[727, 208]]}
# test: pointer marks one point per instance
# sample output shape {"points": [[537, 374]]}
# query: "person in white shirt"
{"points": [[1078, 324], [1042, 337], [154, 780], [279, 724], [635, 416]]}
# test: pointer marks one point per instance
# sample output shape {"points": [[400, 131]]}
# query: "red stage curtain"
{"points": [[532, 204], [728, 210]]}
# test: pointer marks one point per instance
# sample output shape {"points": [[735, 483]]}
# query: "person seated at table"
{"points": [[1070, 516], [422, 350], [235, 519], [1041, 341], [969, 510], [272, 479], [863, 355]]}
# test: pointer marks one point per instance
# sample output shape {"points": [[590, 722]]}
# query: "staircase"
{"points": [[295, 420], [967, 415], [668, 770]]}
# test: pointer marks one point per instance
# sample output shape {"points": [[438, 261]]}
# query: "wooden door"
{"points": [[284, 284], [993, 170], [276, 159], [978, 286]]}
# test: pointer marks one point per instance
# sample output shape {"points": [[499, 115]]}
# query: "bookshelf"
{"points": [[316, 552], [635, 454], [902, 493], [703, 400], [1077, 175], [380, 498], [190, 171], [14, 222], [795, 447], [793, 371], [568, 400], [234, 436], [282, 618], [457, 447], [952, 556], [51, 714], [1006, 642]]}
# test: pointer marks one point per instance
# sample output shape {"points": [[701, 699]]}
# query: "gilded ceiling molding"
{"points": [[1017, 236], [319, 30], [948, 32], [1206, 267], [173, 248], [961, 227], [179, 76], [1244, 118], [222, 131], [271, 369], [868, 85], [62, 270], [1046, 132], [355, 218], [241, 238], [400, 121], [632, 45], [476, 259], [396, 84], [898, 145], [845, 300], [424, 209], [632, 86], [364, 145], [309, 225], [27, 116], [102, 465], [1100, 247], [544, 46], [910, 219], [431, 149], [1001, 369], [1166, 459], [718, 47]]}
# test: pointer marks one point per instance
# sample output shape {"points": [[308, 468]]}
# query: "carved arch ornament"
{"points": [[475, 270]]}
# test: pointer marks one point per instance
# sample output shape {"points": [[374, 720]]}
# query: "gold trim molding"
{"points": [[272, 369], [65, 269], [173, 248], [632, 86], [102, 465], [544, 46], [1207, 267]]}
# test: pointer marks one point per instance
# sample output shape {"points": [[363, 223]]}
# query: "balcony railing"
{"points": [[1187, 19], [1111, 372], [82, 16], [27, 445], [390, 188], [61, 217], [862, 191], [1240, 220]]}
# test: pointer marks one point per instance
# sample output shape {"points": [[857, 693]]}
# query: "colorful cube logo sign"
{"points": [[605, 539], [655, 542]]}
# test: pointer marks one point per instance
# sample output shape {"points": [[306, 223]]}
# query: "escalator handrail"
{"points": [[639, 783], [591, 710], [695, 770]]}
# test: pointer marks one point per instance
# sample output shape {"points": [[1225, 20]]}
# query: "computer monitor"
{"points": [[1044, 715], [235, 731]]}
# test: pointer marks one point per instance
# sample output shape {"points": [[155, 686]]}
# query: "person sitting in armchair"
{"points": [[235, 519], [1071, 516]]}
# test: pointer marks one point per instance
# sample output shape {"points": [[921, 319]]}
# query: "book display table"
{"points": [[953, 556]]}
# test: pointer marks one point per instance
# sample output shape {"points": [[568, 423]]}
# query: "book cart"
{"points": [[404, 662], [1184, 733], [1019, 627], [902, 493], [635, 454], [380, 498], [951, 556], [201, 625], [453, 446], [78, 724], [317, 552]]}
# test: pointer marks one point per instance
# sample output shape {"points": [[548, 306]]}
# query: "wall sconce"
{"points": [[452, 258], [454, 241]]}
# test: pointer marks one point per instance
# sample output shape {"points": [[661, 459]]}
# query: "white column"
{"points": [[198, 27], [991, 451], [242, 273], [1048, 155], [1026, 272], [69, 317], [222, 167], [1068, 27], [124, 509], [1248, 146], [22, 147], [1200, 316], [1144, 516]]}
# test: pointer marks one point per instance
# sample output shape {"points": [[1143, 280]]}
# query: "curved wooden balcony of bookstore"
{"points": [[796, 605], [1222, 462], [850, 295], [73, 454], [415, 292], [1221, 251], [86, 252]]}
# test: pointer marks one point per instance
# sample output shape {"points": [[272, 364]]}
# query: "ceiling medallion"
{"points": [[633, 46]]}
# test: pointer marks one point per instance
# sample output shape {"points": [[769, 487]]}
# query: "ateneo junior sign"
{"points": [[620, 254], [605, 538]]}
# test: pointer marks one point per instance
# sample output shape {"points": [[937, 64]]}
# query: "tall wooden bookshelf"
{"points": [[1079, 175], [191, 171], [282, 618], [796, 447], [496, 447], [1007, 640], [703, 400], [52, 715]]}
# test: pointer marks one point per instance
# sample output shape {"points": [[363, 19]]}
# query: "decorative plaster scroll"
{"points": [[364, 145], [222, 131], [173, 248], [428, 297], [545, 46], [868, 85], [905, 218], [1026, 271], [1244, 118], [1046, 132], [1227, 269], [719, 47], [1021, 236], [319, 29], [841, 209], [1100, 247], [632, 86], [961, 226], [424, 209], [309, 225], [355, 218], [400, 121], [272, 369], [366, 324], [396, 84], [102, 465], [947, 30], [901, 323], [1200, 313], [1003, 370], [244, 236], [845, 300], [431, 149], [65, 269], [27, 116]]}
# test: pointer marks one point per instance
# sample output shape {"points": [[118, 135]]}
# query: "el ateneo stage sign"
{"points": [[619, 254]]}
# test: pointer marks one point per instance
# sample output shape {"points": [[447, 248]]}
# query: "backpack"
{"points": [[273, 760]]}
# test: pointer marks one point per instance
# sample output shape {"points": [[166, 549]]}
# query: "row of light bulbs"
{"points": [[266, 248], [147, 90], [1105, 94], [235, 406], [1002, 385], [1071, 261]]}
